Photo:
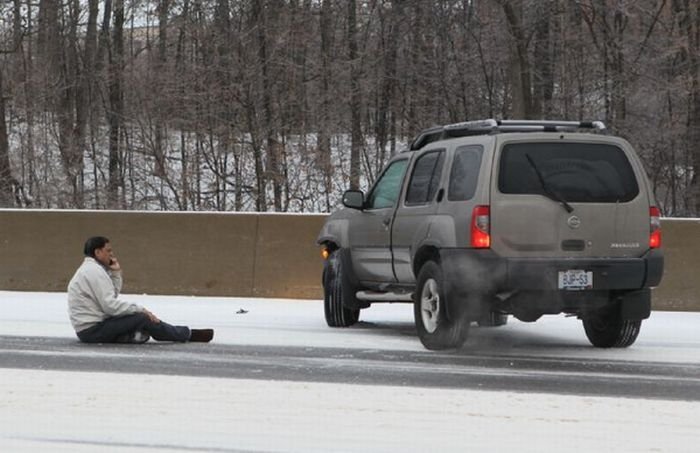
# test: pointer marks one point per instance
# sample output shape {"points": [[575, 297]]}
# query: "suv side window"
{"points": [[465, 173], [578, 172], [386, 190], [425, 178]]}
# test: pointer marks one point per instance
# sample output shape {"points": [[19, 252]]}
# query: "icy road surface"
{"points": [[280, 385]]}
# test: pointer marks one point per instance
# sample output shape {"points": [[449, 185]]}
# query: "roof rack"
{"points": [[491, 126]]}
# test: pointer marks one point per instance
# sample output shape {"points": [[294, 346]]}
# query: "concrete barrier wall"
{"points": [[232, 254], [204, 254], [680, 288]]}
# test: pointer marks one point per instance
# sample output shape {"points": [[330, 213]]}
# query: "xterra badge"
{"points": [[624, 245]]}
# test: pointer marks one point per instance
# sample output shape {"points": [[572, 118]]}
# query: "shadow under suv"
{"points": [[485, 219]]}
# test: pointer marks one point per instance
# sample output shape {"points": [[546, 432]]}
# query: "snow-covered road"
{"points": [[58, 410]]}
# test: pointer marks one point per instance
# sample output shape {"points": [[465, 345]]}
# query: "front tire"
{"points": [[607, 329], [435, 330], [336, 289]]}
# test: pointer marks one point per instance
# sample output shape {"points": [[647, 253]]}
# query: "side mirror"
{"points": [[354, 199]]}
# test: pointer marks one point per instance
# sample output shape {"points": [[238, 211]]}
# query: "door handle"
{"points": [[386, 221]]}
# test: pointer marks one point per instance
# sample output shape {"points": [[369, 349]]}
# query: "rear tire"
{"points": [[435, 330], [336, 289], [607, 329]]}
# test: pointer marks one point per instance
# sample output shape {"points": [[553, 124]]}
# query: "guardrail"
{"points": [[234, 254]]}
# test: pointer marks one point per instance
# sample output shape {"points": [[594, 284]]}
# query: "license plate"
{"points": [[575, 279]]}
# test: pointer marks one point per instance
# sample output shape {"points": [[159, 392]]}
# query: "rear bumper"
{"points": [[528, 287], [483, 271]]}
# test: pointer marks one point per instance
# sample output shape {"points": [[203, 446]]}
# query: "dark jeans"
{"points": [[115, 330]]}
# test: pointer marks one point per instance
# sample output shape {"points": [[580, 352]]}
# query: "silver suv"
{"points": [[485, 219]]}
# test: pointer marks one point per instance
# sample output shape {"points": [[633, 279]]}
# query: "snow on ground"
{"points": [[65, 411], [665, 337], [83, 412]]}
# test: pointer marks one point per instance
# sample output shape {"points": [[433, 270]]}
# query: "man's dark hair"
{"points": [[94, 243]]}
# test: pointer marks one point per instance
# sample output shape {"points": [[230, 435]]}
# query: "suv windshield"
{"points": [[578, 172]]}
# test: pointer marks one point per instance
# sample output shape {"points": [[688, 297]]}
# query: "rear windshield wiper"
{"points": [[548, 190]]}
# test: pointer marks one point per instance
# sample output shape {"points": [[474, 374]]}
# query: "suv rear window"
{"points": [[578, 172]]}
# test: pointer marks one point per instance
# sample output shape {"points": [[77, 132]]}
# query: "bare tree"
{"points": [[58, 47], [391, 22], [355, 97], [256, 23], [324, 139], [7, 181], [521, 69], [273, 150]]}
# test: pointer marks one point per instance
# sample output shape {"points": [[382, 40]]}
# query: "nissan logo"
{"points": [[574, 222]]}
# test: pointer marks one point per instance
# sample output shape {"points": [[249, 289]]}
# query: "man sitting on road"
{"points": [[97, 314]]}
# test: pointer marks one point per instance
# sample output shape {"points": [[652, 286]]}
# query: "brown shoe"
{"points": [[201, 335]]}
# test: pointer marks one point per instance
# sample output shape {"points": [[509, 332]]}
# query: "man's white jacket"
{"points": [[93, 295]]}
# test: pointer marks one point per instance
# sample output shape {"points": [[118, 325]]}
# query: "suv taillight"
{"points": [[481, 219], [654, 227]]}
